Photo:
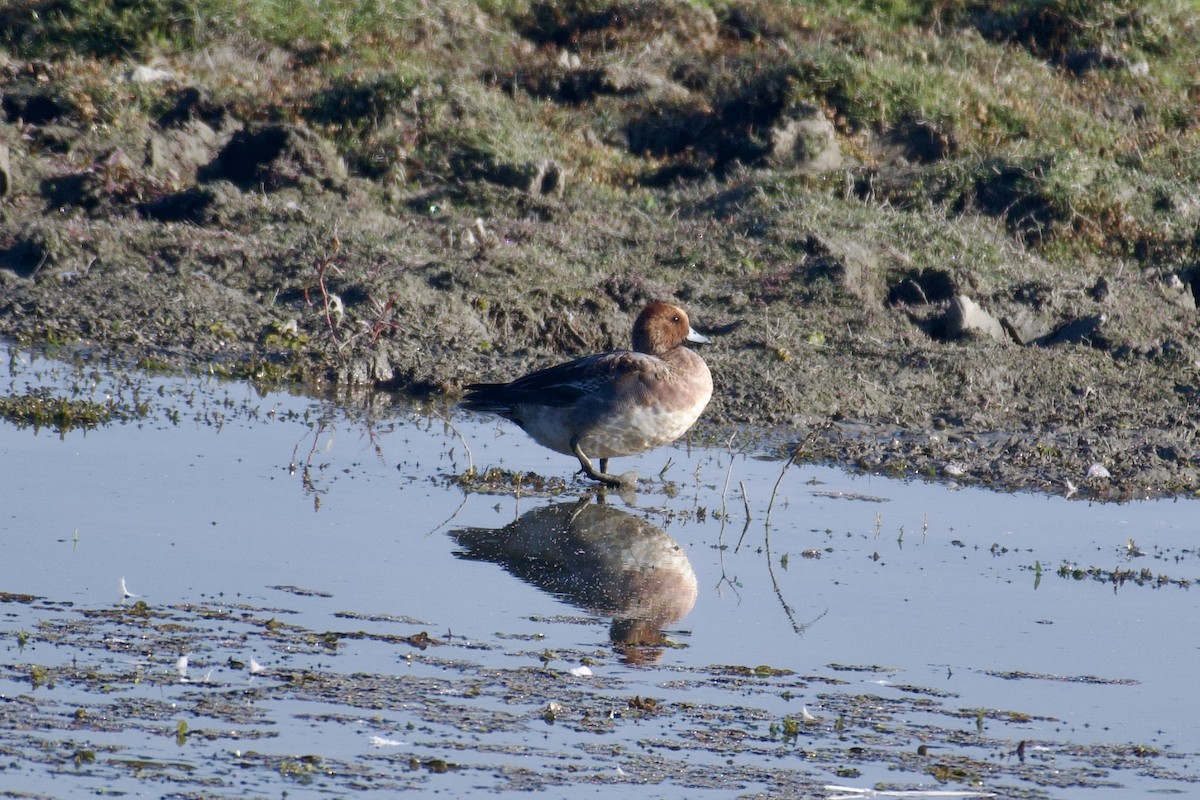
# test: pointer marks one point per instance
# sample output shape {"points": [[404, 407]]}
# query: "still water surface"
{"points": [[330, 513]]}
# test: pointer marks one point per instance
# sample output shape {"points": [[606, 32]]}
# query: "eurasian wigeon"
{"points": [[611, 404]]}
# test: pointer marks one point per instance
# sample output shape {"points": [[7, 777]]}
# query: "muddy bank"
{"points": [[916, 296], [325, 293]]}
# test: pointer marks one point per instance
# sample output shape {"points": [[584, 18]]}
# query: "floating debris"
{"points": [[379, 741]]}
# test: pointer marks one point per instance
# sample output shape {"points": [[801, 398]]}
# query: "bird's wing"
{"points": [[564, 384]]}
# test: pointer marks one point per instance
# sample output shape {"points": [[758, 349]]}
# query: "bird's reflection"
{"points": [[601, 559]]}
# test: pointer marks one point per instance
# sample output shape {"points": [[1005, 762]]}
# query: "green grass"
{"points": [[430, 93], [106, 28], [142, 28]]}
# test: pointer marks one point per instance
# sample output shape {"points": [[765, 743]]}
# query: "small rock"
{"points": [[805, 138], [582, 671], [545, 178], [6, 181], [621, 79], [1025, 327], [373, 370], [179, 152], [850, 264], [965, 317], [147, 74]]}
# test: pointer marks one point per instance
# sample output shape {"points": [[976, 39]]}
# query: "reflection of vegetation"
{"points": [[42, 408], [1142, 576]]}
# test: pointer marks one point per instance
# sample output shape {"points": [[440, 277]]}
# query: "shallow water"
{"points": [[317, 537]]}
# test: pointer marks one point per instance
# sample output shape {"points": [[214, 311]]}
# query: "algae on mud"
{"points": [[39, 408], [462, 711]]}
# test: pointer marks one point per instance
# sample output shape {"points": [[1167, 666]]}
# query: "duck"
{"points": [[618, 403]]}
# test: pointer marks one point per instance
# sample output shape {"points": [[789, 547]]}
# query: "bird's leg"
{"points": [[586, 468]]}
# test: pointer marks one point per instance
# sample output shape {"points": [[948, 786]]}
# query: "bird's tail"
{"points": [[486, 398]]}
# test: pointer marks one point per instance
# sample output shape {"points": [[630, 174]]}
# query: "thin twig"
{"points": [[327, 303], [791, 459], [721, 555], [795, 454], [470, 458], [746, 527], [728, 475], [797, 627], [466, 496], [306, 478]]}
